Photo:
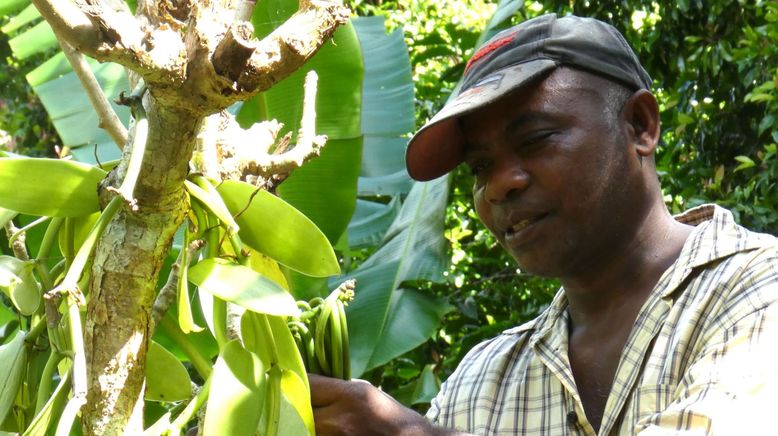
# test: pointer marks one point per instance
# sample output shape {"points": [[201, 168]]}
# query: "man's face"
{"points": [[553, 174]]}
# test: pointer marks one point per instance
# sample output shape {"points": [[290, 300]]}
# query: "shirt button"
{"points": [[572, 418]]}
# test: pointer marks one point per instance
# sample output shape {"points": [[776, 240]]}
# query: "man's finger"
{"points": [[325, 390]]}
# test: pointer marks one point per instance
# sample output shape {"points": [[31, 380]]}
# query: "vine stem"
{"points": [[44, 386], [200, 363]]}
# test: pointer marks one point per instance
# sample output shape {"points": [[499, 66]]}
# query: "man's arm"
{"points": [[358, 408]]}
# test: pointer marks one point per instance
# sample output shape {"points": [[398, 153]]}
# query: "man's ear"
{"points": [[641, 115]]}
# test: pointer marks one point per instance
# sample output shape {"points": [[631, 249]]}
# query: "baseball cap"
{"points": [[516, 57]]}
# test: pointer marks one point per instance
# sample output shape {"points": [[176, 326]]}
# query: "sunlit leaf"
{"points": [[237, 393], [296, 411], [273, 227], [259, 331], [69, 188], [6, 215], [13, 360], [51, 410], [19, 284], [166, 377], [243, 286]]}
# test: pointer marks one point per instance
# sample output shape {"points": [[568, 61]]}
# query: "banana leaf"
{"points": [[384, 319]]}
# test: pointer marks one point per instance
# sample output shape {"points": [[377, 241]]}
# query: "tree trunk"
{"points": [[189, 75], [125, 272]]}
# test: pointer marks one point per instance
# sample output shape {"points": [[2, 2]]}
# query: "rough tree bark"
{"points": [[196, 59]]}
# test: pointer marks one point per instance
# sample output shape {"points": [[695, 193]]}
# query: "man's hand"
{"points": [[357, 408]]}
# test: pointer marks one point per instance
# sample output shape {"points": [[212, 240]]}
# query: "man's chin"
{"points": [[536, 266]]}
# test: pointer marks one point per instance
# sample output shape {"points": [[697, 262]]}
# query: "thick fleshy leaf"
{"points": [[237, 392], [82, 226], [19, 284], [166, 377], [52, 410], [385, 321], [49, 187], [259, 330], [273, 227], [6, 215], [296, 412], [13, 360], [243, 286]]}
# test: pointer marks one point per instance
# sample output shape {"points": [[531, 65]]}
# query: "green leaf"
{"points": [[387, 109], [273, 227], [339, 66], [259, 331], [9, 6], [296, 412], [13, 360], [166, 377], [35, 40], [243, 286], [6, 215], [325, 188], [51, 410], [26, 16], [370, 222], [422, 390], [213, 204], [237, 393], [745, 162], [19, 284], [385, 321], [49, 187]]}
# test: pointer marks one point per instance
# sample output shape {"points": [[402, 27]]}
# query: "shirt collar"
{"points": [[716, 236]]}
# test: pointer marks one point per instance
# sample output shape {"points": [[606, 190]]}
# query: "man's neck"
{"points": [[622, 282]]}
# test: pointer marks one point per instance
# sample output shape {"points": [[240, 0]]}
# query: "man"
{"points": [[663, 325]]}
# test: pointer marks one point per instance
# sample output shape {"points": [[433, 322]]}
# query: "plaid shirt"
{"points": [[702, 357]]}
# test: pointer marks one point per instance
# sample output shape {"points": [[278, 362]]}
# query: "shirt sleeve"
{"points": [[731, 386]]}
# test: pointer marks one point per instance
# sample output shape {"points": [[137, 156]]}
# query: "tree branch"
{"points": [[283, 51], [246, 153], [105, 113], [18, 245], [112, 34]]}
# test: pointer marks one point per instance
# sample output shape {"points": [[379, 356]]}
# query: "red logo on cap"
{"points": [[488, 48]]}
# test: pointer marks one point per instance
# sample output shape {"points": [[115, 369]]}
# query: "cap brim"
{"points": [[437, 148]]}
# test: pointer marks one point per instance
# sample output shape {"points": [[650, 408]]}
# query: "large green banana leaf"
{"points": [[386, 320]]}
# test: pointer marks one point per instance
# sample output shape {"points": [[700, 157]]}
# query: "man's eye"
{"points": [[538, 138], [476, 168]]}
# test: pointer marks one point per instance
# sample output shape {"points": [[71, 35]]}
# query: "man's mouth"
{"points": [[523, 224]]}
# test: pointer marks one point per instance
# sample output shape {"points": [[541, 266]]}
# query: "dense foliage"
{"points": [[715, 71]]}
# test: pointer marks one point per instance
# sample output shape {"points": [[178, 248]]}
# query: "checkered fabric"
{"points": [[702, 357]]}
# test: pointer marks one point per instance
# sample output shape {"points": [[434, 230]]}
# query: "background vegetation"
{"points": [[715, 70]]}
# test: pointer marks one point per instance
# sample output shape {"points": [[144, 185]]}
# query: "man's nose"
{"points": [[505, 181]]}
